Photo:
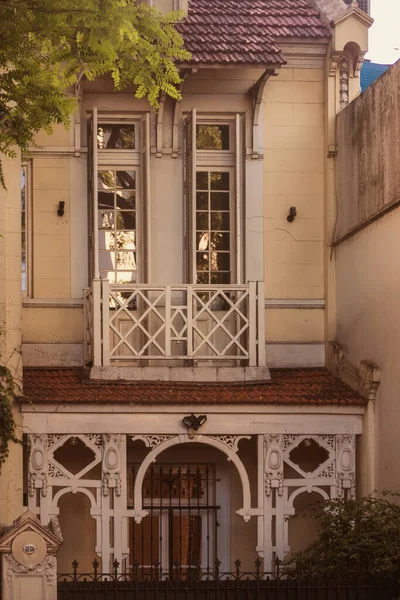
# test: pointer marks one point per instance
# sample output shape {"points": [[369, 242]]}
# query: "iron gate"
{"points": [[181, 526]]}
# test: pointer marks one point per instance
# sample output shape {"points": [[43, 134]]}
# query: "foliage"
{"points": [[7, 423], [47, 46], [354, 535]]}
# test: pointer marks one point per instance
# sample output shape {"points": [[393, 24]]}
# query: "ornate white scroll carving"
{"points": [[47, 567], [232, 441], [152, 441], [345, 465], [95, 438], [38, 464], [111, 464], [273, 464], [53, 438], [56, 473]]}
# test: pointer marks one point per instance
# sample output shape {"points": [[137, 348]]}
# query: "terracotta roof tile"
{"points": [[245, 31], [291, 386]]}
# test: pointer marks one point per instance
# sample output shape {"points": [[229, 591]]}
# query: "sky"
{"points": [[384, 35]]}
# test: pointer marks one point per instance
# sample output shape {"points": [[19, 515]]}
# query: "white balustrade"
{"points": [[211, 324]]}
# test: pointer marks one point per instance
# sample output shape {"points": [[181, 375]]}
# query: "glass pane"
{"points": [[126, 240], [219, 180], [202, 220], [126, 199], [106, 219], [23, 282], [23, 262], [220, 261], [212, 137], [23, 244], [202, 239], [22, 199], [220, 220], [107, 261], [110, 275], [202, 200], [220, 277], [220, 201], [115, 137], [106, 240], [23, 220], [106, 199], [125, 219], [201, 180], [106, 180], [126, 261], [220, 241], [126, 277], [203, 277], [202, 261], [126, 179]]}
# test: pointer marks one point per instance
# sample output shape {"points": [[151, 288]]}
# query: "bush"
{"points": [[354, 535]]}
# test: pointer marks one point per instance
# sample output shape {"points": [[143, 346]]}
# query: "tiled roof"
{"points": [[245, 31], [291, 386]]}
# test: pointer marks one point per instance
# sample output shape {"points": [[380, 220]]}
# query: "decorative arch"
{"points": [[71, 490], [304, 489], [231, 455]]}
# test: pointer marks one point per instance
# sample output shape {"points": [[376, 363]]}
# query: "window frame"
{"points": [[137, 159], [26, 168], [196, 160]]}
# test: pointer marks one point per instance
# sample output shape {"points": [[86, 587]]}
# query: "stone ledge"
{"points": [[365, 379], [184, 374]]}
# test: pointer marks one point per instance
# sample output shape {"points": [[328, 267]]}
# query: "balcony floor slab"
{"points": [[186, 374]]}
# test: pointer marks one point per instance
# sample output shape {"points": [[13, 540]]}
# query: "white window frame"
{"points": [[27, 169], [197, 160], [122, 159]]}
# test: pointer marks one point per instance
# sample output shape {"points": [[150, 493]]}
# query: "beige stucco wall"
{"points": [[368, 289], [294, 166]]}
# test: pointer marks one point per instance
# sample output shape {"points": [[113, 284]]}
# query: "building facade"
{"points": [[178, 297]]}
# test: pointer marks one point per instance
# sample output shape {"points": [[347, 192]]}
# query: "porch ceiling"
{"points": [[245, 31], [289, 386]]}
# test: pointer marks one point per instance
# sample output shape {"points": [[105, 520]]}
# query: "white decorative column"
{"points": [[345, 466], [272, 500], [38, 476], [29, 564], [113, 502]]}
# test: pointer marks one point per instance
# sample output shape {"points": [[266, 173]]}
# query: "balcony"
{"points": [[151, 327]]}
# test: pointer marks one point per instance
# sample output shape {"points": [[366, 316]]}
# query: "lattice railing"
{"points": [[183, 322]]}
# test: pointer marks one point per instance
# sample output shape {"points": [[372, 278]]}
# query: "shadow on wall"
{"points": [[79, 532], [303, 530]]}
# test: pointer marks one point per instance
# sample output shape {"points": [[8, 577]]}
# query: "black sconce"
{"points": [[193, 423], [292, 214], [61, 207]]}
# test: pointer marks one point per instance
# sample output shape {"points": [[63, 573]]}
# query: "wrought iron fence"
{"points": [[193, 583]]}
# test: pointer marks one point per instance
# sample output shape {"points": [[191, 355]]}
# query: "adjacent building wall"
{"points": [[368, 282]]}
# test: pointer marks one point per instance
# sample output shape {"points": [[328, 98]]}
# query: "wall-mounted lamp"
{"points": [[292, 214], [61, 207], [193, 423]]}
